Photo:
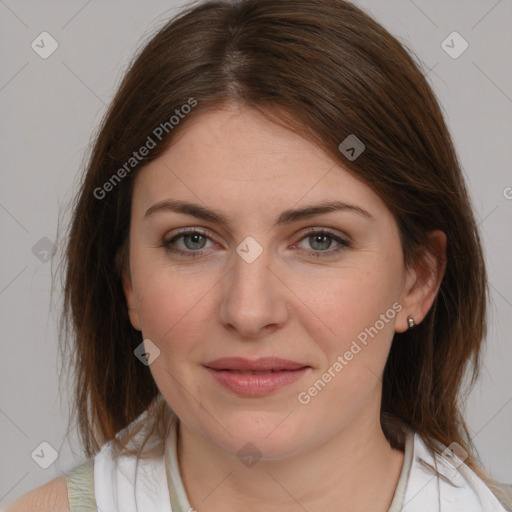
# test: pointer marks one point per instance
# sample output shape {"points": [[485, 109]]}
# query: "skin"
{"points": [[331, 453], [50, 497]]}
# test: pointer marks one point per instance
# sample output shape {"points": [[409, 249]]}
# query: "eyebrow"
{"points": [[285, 218]]}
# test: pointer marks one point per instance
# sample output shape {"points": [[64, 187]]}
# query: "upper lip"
{"points": [[262, 364]]}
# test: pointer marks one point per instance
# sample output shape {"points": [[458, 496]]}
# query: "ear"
{"points": [[422, 281], [131, 300]]}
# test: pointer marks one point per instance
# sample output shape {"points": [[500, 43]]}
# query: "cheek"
{"points": [[360, 317], [172, 307], [171, 303], [354, 317]]}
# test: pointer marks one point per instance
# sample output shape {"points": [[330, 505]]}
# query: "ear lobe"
{"points": [[131, 301], [423, 281]]}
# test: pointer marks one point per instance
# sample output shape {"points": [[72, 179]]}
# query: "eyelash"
{"points": [[343, 244]]}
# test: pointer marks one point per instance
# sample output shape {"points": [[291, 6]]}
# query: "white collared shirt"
{"points": [[122, 485]]}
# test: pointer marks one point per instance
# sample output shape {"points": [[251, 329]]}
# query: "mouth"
{"points": [[241, 372], [254, 378], [261, 365]]}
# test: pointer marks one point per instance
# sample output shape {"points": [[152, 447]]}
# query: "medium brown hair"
{"points": [[326, 70]]}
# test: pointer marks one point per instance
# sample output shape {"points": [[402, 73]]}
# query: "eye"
{"points": [[321, 241], [193, 242]]}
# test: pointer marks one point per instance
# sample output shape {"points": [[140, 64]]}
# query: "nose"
{"points": [[254, 301]]}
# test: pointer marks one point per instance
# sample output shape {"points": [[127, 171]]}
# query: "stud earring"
{"points": [[410, 321]]}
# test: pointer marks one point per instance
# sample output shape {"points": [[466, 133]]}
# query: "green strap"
{"points": [[80, 482], [177, 494]]}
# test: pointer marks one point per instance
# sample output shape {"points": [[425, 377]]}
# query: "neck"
{"points": [[353, 471]]}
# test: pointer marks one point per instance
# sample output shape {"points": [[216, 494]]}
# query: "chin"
{"points": [[273, 437]]}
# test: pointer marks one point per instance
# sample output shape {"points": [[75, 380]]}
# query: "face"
{"points": [[324, 291]]}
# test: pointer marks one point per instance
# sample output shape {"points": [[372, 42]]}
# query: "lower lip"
{"points": [[256, 385]]}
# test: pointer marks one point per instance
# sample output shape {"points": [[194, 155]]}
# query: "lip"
{"points": [[263, 364], [226, 371]]}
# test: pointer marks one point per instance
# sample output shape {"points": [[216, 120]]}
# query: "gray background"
{"points": [[49, 109]]}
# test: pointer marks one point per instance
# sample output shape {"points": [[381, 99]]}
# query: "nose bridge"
{"points": [[251, 274], [252, 299]]}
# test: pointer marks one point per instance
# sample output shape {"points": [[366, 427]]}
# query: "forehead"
{"points": [[236, 159], [244, 142]]}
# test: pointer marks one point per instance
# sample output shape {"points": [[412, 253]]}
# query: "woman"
{"points": [[274, 277]]}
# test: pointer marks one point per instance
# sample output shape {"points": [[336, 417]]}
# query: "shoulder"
{"points": [[50, 497], [444, 478]]}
